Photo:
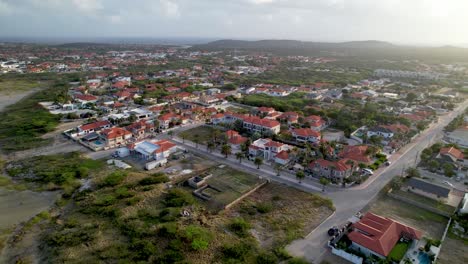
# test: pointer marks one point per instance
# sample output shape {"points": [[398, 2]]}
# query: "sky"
{"points": [[431, 22]]}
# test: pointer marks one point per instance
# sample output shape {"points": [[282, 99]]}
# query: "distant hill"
{"points": [[365, 49]]}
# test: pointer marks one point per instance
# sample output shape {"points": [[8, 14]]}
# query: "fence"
{"points": [[348, 256]]}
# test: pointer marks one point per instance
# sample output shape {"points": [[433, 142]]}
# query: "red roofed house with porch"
{"points": [[376, 235], [336, 171], [316, 122], [268, 149], [305, 135], [261, 125], [93, 127], [234, 139], [356, 153], [115, 137]]}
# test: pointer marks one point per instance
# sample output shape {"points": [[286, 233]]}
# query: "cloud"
{"points": [[5, 8], [170, 8], [88, 6]]}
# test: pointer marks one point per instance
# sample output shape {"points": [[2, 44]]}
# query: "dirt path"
{"points": [[7, 99]]}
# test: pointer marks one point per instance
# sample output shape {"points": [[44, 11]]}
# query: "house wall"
{"points": [[365, 250]]}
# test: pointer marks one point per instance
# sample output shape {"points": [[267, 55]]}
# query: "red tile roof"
{"points": [[261, 122], [164, 145], [452, 152], [95, 125], [86, 97], [237, 140], [380, 234], [284, 155], [337, 165], [115, 132], [356, 153], [306, 132]]}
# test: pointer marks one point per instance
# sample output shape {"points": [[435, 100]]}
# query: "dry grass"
{"points": [[293, 214], [453, 251]]}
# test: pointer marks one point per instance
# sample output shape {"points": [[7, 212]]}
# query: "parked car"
{"points": [[333, 231], [387, 163], [368, 171]]}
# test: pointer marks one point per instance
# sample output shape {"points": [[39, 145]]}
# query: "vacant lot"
{"points": [[432, 224], [8, 87], [202, 133], [280, 214], [453, 251], [427, 201], [231, 183]]}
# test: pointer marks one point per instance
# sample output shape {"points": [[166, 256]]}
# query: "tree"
{"points": [[433, 165], [412, 172], [258, 161], [170, 133], [226, 150], [300, 176], [278, 169], [210, 146], [183, 138], [156, 124], [410, 97], [240, 156], [324, 181], [196, 139], [448, 169]]}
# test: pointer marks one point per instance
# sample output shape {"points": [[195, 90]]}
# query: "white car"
{"points": [[368, 171]]}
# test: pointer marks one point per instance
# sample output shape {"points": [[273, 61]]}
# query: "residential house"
{"points": [[261, 125], [93, 127], [376, 236], [168, 119], [336, 171], [235, 140], [85, 99], [289, 117], [153, 150], [428, 189], [380, 131], [141, 129], [356, 153], [268, 149], [458, 136], [451, 154], [304, 135], [316, 122], [115, 137]]}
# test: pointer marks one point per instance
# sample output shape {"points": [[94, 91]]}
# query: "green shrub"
{"points": [[178, 198], [298, 261], [105, 200], [153, 180], [266, 258], [239, 226], [167, 230], [264, 208], [70, 237], [142, 249], [114, 179], [82, 172], [133, 201], [236, 251], [123, 192]]}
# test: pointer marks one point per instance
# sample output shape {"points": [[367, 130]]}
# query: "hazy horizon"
{"points": [[417, 22]]}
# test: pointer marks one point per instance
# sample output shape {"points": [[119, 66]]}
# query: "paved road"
{"points": [[350, 201]]}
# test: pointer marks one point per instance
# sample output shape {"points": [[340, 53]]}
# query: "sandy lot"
{"points": [[11, 98], [17, 206]]}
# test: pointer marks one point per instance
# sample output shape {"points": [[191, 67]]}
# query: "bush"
{"points": [[82, 172], [168, 230], [264, 208], [199, 236], [178, 198], [236, 251], [133, 201], [298, 261], [169, 214], [70, 237], [239, 226], [105, 200], [123, 192], [142, 249], [170, 256], [114, 179], [266, 258], [154, 180]]}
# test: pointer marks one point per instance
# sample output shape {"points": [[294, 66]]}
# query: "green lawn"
{"points": [[398, 252], [204, 134]]}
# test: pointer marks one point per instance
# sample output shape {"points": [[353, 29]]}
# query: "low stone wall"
{"points": [[418, 204], [244, 195]]}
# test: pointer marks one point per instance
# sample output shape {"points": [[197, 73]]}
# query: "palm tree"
{"points": [[258, 161], [278, 169], [196, 139], [210, 146], [324, 181], [300, 176], [240, 156], [226, 150], [170, 133], [183, 138]]}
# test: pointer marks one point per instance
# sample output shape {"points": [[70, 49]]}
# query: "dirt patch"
{"points": [[453, 251], [432, 224], [281, 214], [10, 98]]}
